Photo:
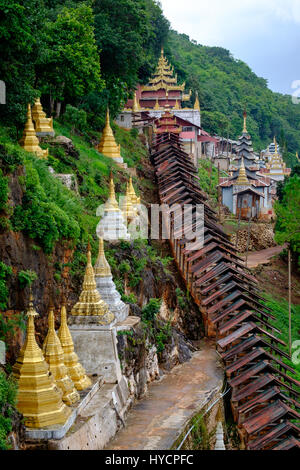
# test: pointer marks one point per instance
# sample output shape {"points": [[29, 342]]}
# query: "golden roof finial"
{"points": [[135, 106], [111, 204], [197, 103], [29, 141], [90, 302], [242, 177], [54, 355], [102, 268], [245, 122], [74, 368], [39, 399], [297, 155], [134, 198], [156, 104], [126, 205], [107, 145]]}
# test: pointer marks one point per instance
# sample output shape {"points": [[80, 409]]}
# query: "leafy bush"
{"points": [[5, 271], [8, 394], [150, 311], [76, 117], [3, 190], [11, 156], [26, 278]]}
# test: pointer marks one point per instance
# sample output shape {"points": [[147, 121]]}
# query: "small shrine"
{"points": [[247, 193], [43, 125], [275, 167], [108, 146], [112, 226], [29, 141], [106, 286], [39, 399], [127, 208]]}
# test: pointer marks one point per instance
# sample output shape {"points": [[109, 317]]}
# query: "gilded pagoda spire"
{"points": [[135, 106], [75, 370], [242, 177], [39, 399], [107, 145], [54, 355], [101, 268], [29, 141], [43, 125], [127, 208], [197, 103], [245, 122], [90, 302], [111, 204], [134, 198]]}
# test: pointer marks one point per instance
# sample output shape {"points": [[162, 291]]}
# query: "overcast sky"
{"points": [[263, 33]]}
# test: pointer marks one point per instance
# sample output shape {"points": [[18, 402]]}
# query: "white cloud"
{"points": [[213, 21]]}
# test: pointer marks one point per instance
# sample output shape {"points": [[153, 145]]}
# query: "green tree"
{"points": [[70, 66], [287, 228]]}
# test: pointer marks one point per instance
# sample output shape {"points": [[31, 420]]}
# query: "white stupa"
{"points": [[106, 286], [112, 226]]}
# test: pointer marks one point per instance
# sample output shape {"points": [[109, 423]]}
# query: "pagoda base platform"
{"points": [[59, 431], [96, 348]]}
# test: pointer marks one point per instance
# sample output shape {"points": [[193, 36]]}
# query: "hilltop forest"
{"points": [[93, 53]]}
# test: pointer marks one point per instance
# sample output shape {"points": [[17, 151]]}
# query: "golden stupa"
{"points": [[107, 145], [43, 125], [101, 267], [90, 302], [54, 355], [128, 211], [197, 103], [29, 141], [242, 177], [75, 370], [134, 198], [111, 204], [39, 399]]}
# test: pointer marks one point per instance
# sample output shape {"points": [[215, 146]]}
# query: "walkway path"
{"points": [[260, 257], [156, 421]]}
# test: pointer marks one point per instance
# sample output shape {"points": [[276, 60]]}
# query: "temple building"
{"points": [[275, 167], [29, 140], [39, 399], [43, 125], [106, 286], [247, 192], [112, 225], [161, 90], [108, 146]]}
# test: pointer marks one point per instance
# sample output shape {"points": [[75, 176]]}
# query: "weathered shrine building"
{"points": [[247, 192]]}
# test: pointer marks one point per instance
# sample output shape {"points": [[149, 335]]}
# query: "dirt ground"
{"points": [[273, 278]]}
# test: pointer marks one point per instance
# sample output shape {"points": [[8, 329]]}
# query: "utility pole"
{"points": [[248, 238], [219, 193], [290, 301], [239, 222]]}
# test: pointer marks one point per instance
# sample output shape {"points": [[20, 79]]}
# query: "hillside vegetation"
{"points": [[226, 86]]}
